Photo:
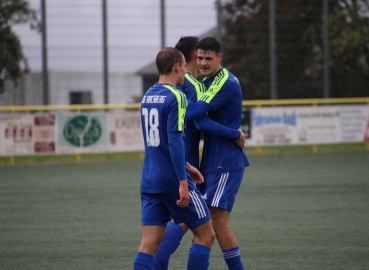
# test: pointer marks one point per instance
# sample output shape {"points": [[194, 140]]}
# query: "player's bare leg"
{"points": [[223, 231], [150, 240], [151, 237], [226, 238], [204, 236]]}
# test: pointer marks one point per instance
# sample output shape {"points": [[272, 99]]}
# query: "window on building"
{"points": [[80, 97]]}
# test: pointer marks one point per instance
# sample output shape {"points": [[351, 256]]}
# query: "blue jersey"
{"points": [[193, 90], [163, 110], [224, 95]]}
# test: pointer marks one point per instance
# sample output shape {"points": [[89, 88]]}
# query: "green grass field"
{"points": [[293, 211]]}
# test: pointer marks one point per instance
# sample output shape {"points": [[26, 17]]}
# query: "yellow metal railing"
{"points": [[76, 108], [310, 101], [133, 106]]}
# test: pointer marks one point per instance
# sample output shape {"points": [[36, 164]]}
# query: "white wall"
{"points": [[123, 88], [27, 91]]}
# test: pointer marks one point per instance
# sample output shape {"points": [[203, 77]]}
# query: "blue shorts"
{"points": [[221, 189], [159, 208]]}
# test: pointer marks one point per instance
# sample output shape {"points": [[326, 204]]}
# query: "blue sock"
{"points": [[171, 240], [143, 261], [198, 259], [232, 257]]}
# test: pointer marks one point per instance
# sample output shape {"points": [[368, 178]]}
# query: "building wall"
{"points": [[27, 91], [123, 88]]}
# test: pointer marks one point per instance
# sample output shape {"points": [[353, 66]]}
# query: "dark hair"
{"points": [[187, 45], [166, 59], [209, 44]]}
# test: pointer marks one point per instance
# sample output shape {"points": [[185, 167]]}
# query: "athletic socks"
{"points": [[232, 257], [143, 261], [198, 259], [171, 240]]}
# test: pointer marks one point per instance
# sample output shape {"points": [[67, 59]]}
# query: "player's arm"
{"points": [[176, 149], [195, 174], [198, 112], [209, 126]]}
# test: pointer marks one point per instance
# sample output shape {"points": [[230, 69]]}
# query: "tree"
{"points": [[13, 63], [246, 49], [299, 46], [349, 47]]}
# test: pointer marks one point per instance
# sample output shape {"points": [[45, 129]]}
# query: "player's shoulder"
{"points": [[170, 89], [192, 87], [231, 78], [231, 83], [189, 79], [162, 93], [222, 77], [187, 83]]}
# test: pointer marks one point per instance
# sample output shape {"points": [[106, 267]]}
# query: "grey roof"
{"points": [[148, 69], [151, 67]]}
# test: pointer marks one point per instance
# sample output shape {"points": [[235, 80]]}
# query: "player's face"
{"points": [[208, 62], [181, 72]]}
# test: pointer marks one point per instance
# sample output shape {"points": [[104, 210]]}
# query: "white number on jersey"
{"points": [[151, 126]]}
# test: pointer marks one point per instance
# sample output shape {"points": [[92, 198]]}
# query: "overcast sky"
{"points": [[74, 29]]}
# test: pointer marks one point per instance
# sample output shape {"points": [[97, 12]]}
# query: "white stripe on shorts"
{"points": [[218, 193], [198, 205]]}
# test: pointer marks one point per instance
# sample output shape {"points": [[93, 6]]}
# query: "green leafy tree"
{"points": [[13, 63], [299, 41], [245, 45], [349, 47]]}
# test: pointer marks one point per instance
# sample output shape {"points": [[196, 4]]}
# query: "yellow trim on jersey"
{"points": [[200, 87], [215, 86], [182, 106]]}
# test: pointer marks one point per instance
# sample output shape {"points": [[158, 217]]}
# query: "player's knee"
{"points": [[184, 227], [208, 238], [205, 235], [219, 224], [212, 236]]}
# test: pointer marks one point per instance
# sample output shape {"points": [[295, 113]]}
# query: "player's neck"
{"points": [[168, 79], [192, 69]]}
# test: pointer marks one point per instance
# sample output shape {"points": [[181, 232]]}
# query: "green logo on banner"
{"points": [[82, 131]]}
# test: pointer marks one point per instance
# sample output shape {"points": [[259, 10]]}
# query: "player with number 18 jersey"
{"points": [[163, 110]]}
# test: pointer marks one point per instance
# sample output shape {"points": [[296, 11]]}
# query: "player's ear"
{"points": [[220, 57], [176, 67], [194, 55]]}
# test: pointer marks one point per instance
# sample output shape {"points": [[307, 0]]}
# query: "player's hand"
{"points": [[242, 140], [195, 174], [184, 196]]}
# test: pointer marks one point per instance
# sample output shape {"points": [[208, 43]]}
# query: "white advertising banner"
{"points": [[355, 123], [309, 125], [318, 124], [91, 132], [82, 133], [27, 134], [125, 132], [273, 126]]}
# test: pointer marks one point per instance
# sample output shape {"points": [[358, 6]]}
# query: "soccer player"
{"points": [[167, 190], [193, 90], [223, 162]]}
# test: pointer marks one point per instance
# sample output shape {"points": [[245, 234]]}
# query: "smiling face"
{"points": [[208, 62]]}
